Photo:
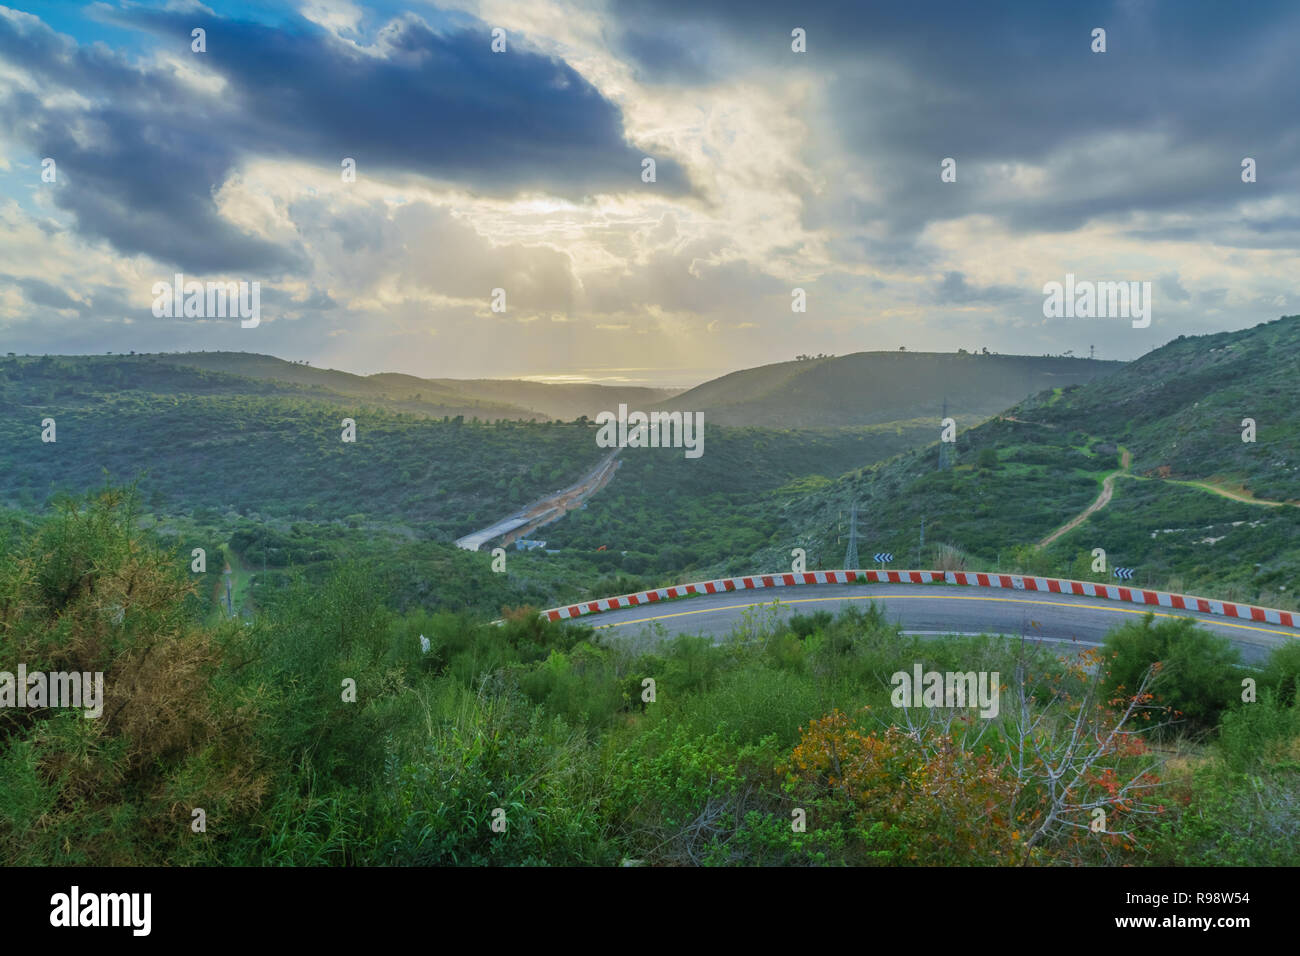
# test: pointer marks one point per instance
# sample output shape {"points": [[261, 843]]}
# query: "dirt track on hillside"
{"points": [[1103, 499]]}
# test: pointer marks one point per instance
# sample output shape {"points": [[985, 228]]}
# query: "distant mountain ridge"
{"points": [[487, 399], [870, 388], [865, 388]]}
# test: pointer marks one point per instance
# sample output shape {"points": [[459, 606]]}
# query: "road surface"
{"points": [[545, 510], [931, 608]]}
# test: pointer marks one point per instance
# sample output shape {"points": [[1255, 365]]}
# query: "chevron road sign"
{"points": [[1124, 574], [884, 557]]}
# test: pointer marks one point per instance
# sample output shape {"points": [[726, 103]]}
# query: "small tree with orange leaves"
{"points": [[1063, 774], [912, 800], [1082, 768]]}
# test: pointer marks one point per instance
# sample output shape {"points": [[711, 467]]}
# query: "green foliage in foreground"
{"points": [[1199, 673], [550, 728]]}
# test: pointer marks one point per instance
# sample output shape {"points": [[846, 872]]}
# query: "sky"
{"points": [[523, 170]]}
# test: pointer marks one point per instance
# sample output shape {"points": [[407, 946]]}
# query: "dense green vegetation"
{"points": [[29, 382], [675, 514], [266, 454], [251, 467], [1180, 408], [199, 441], [552, 731], [340, 560], [1019, 477]]}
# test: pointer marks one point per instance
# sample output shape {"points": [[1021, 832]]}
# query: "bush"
{"points": [[1257, 731], [1199, 673], [1283, 672], [806, 624], [88, 593]]}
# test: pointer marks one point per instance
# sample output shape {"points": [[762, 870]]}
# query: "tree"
{"points": [[90, 593], [1060, 772]]}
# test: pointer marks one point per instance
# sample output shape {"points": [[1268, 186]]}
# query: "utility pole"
{"points": [[851, 555]]}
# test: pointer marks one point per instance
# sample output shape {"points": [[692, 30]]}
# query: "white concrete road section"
{"points": [[545, 510], [928, 608]]}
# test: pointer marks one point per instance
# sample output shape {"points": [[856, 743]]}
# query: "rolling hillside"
{"points": [[82, 379], [264, 446], [1017, 479], [869, 388], [209, 442], [486, 399], [1179, 409], [246, 448]]}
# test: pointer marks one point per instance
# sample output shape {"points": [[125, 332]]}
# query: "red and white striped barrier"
{"points": [[1016, 582]]}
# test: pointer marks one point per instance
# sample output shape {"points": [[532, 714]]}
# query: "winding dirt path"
{"points": [[1245, 499], [1103, 499]]}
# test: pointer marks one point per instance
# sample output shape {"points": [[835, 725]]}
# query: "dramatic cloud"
{"points": [[522, 170], [142, 150]]}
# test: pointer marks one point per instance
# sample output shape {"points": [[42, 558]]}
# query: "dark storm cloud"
{"points": [[41, 293], [994, 85], [140, 166], [671, 53], [98, 302]]}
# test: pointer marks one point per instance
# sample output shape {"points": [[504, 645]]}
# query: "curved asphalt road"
{"points": [[936, 609]]}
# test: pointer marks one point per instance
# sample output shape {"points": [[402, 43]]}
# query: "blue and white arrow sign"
{"points": [[1124, 574], [884, 557]]}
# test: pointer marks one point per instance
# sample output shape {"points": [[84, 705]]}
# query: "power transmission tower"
{"points": [[851, 554], [944, 461]]}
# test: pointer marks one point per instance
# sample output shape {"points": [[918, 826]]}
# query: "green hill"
{"points": [[211, 442], [401, 393], [1016, 479], [221, 449], [1179, 409], [870, 388], [487, 399], [86, 379]]}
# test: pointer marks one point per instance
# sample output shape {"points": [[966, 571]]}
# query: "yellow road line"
{"points": [[940, 597]]}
